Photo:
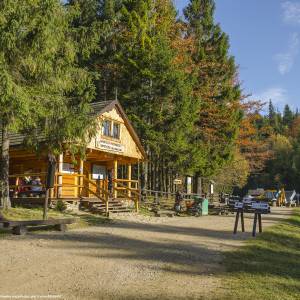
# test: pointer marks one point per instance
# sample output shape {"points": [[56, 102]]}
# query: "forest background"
{"points": [[179, 86]]}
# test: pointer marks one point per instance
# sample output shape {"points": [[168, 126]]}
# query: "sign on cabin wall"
{"points": [[109, 146]]}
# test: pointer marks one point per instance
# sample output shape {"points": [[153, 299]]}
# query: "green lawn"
{"points": [[267, 267], [84, 219]]}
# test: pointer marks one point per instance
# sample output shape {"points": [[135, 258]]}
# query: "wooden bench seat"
{"points": [[20, 227]]}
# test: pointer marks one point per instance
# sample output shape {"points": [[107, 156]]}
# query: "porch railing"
{"points": [[99, 188], [124, 187]]}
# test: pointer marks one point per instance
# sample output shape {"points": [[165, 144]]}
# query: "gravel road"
{"points": [[130, 258]]}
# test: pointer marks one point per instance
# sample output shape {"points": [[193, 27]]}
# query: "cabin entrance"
{"points": [[99, 171]]}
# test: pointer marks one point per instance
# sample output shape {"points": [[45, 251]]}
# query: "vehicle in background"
{"points": [[291, 198]]}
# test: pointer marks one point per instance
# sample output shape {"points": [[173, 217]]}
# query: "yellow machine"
{"points": [[274, 197], [281, 199]]}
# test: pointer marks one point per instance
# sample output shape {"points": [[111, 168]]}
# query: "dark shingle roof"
{"points": [[18, 138], [98, 108]]}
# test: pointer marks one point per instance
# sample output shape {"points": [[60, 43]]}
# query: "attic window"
{"points": [[106, 128], [116, 130], [111, 129]]}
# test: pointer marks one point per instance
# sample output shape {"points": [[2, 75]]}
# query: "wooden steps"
{"points": [[97, 206]]}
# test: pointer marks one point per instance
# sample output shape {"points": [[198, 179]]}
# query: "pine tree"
{"points": [[272, 113], [288, 116]]}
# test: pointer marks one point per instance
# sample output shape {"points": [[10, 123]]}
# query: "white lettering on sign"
{"points": [[238, 205], [260, 205], [109, 146]]}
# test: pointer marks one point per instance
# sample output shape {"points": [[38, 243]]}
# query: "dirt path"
{"points": [[176, 258]]}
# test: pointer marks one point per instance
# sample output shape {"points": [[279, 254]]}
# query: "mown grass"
{"points": [[144, 211], [267, 267], [83, 219]]}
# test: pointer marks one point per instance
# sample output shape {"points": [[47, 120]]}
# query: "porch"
{"points": [[102, 182]]}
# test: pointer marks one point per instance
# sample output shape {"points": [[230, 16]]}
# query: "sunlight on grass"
{"points": [[83, 219], [267, 267]]}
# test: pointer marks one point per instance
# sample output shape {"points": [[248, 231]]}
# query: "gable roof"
{"points": [[98, 108], [105, 106]]}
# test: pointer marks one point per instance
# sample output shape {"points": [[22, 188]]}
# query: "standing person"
{"points": [[110, 181], [178, 201]]}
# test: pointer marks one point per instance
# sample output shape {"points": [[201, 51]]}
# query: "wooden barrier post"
{"points": [[236, 222], [254, 224], [242, 221], [239, 213], [257, 219], [259, 223]]}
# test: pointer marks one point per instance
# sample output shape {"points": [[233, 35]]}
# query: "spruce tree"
{"points": [[288, 116], [216, 86], [42, 90]]}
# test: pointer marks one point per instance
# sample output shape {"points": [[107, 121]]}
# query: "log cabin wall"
{"points": [[103, 150]]}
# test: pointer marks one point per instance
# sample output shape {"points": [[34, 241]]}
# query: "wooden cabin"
{"points": [[107, 178]]}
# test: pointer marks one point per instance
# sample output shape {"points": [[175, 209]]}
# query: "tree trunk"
{"points": [[4, 169], [199, 185], [145, 176]]}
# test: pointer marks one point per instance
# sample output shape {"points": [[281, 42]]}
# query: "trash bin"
{"points": [[204, 205]]}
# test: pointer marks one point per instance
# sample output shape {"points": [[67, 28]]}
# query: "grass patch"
{"points": [[267, 267], [144, 211], [23, 214]]}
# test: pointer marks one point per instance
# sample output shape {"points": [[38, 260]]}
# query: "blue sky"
{"points": [[265, 40]]}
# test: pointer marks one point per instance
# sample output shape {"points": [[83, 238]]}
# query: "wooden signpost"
{"points": [[258, 208], [239, 207]]}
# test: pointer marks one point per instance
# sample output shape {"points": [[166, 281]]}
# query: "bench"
{"points": [[20, 227]]}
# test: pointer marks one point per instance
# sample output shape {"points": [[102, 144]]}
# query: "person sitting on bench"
{"points": [[36, 185]]}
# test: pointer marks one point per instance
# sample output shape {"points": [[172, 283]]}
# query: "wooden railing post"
{"points": [[80, 189], [98, 186], [137, 204], [129, 178], [60, 178], [17, 186], [115, 178]]}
